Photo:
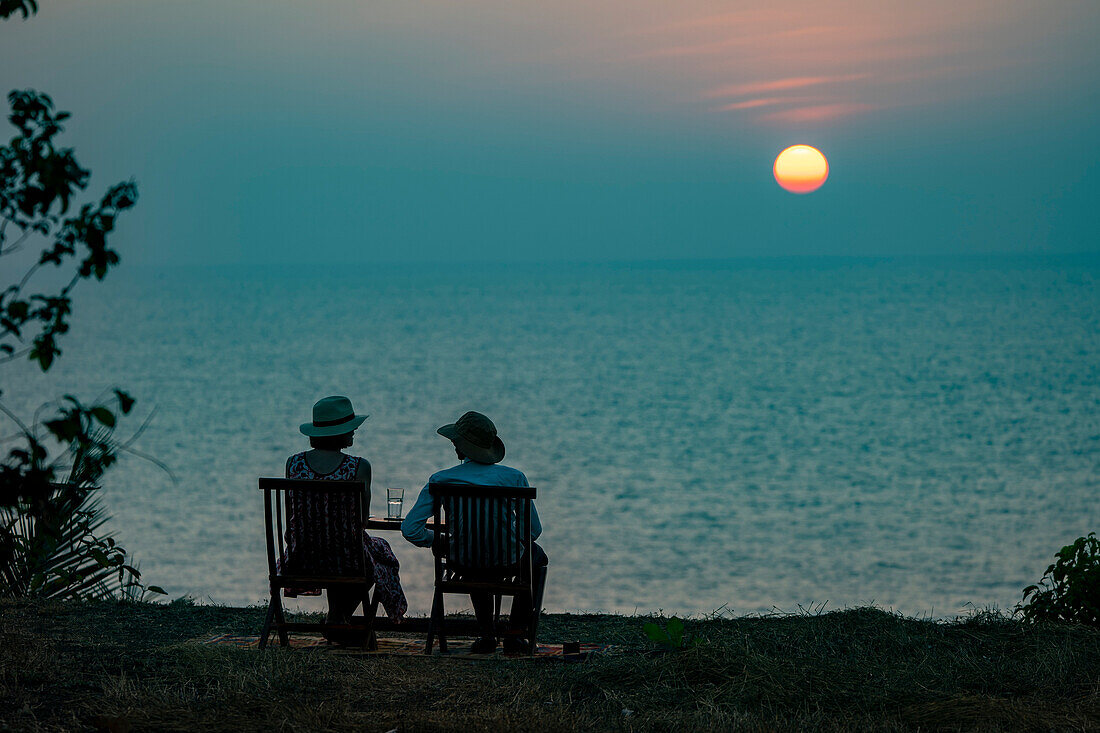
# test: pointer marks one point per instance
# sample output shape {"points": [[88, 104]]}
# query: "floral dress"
{"points": [[319, 514]]}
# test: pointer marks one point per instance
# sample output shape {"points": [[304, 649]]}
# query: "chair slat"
{"points": [[502, 556], [280, 527], [466, 530], [269, 531], [482, 533]]}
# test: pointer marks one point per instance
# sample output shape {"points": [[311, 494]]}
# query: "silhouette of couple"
{"points": [[480, 452]]}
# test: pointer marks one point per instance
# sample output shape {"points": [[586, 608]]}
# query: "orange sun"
{"points": [[801, 169]]}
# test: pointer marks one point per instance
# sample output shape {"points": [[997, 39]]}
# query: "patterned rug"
{"points": [[456, 648]]}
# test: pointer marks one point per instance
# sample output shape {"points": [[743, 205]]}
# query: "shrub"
{"points": [[1070, 588]]}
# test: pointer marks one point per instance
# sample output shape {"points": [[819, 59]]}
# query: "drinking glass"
{"points": [[394, 497]]}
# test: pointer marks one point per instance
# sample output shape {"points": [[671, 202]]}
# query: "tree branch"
{"points": [[139, 431], [26, 278], [14, 246], [15, 355], [15, 419], [158, 463]]}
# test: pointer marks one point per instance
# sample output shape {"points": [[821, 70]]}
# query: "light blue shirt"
{"points": [[468, 472]]}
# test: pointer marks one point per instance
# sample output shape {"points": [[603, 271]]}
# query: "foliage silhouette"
{"points": [[9, 8], [50, 519], [1070, 588]]}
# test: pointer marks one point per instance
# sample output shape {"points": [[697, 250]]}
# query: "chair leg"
{"points": [[433, 621], [370, 610], [280, 619], [266, 631], [442, 631], [536, 610]]}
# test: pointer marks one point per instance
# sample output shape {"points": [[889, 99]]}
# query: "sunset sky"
{"points": [[524, 131]]}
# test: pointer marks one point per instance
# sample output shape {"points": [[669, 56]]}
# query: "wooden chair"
{"points": [[487, 549], [318, 535]]}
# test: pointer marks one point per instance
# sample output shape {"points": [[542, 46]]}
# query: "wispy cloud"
{"points": [[779, 85], [760, 63], [758, 102], [765, 95], [815, 113]]}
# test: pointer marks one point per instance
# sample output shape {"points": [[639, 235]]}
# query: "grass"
{"points": [[122, 666]]}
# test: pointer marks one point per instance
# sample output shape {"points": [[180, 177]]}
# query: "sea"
{"points": [[737, 437]]}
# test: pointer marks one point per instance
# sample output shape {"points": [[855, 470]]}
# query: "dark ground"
{"points": [[126, 666]]}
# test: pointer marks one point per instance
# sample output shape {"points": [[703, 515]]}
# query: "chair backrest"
{"points": [[488, 527], [314, 527]]}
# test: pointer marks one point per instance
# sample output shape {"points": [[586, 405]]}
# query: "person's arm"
{"points": [[536, 524], [286, 504], [413, 528], [363, 473]]}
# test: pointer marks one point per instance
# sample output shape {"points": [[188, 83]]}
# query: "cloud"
{"points": [[851, 56], [820, 108], [815, 113], [778, 85], [764, 102]]}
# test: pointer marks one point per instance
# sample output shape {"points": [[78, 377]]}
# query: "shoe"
{"points": [[513, 645], [484, 645]]}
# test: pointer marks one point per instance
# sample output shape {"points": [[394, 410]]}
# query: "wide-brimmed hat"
{"points": [[332, 416], [476, 436]]}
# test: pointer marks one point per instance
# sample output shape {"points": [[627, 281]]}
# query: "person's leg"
{"points": [[522, 607], [483, 611], [342, 603], [341, 606]]}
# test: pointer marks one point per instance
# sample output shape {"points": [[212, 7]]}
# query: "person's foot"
{"points": [[512, 645], [341, 637], [484, 645]]}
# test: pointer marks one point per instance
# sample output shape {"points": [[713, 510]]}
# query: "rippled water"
{"points": [[746, 435]]}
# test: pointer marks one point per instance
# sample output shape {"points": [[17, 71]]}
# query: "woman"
{"points": [[323, 514]]}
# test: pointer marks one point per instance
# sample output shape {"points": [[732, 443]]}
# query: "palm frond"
{"points": [[56, 551]]}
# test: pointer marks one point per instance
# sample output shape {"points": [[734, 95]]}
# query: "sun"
{"points": [[801, 169]]}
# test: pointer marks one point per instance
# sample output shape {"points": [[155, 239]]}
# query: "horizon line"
{"points": [[909, 256]]}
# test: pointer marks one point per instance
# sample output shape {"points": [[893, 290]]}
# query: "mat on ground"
{"points": [[458, 648]]}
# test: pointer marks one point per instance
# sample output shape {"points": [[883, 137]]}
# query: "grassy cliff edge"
{"points": [[122, 666]]}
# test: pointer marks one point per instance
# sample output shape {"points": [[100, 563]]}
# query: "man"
{"points": [[480, 451]]}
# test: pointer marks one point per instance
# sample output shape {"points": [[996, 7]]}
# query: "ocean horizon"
{"points": [[740, 436]]}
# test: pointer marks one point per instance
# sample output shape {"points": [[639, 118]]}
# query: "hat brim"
{"points": [[495, 454], [311, 430]]}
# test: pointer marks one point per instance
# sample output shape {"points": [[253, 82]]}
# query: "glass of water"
{"points": [[394, 498]]}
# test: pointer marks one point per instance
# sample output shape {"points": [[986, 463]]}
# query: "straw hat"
{"points": [[476, 436], [332, 416]]}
